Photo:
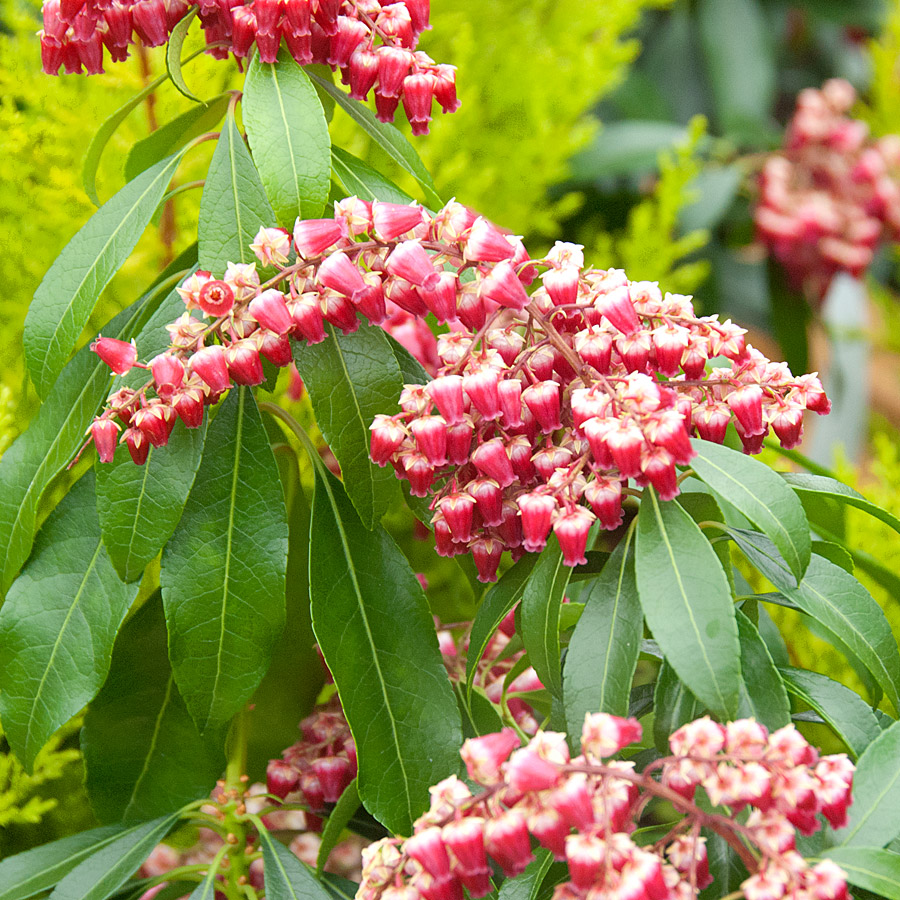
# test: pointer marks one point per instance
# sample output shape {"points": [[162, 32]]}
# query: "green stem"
{"points": [[237, 886]]}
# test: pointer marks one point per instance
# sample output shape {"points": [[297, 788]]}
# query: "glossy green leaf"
{"points": [[704, 507], [874, 818], [342, 813], [173, 56], [763, 694], [69, 291], [687, 603], [849, 716], [375, 630], [234, 205], [58, 625], [761, 495], [174, 135], [286, 877], [137, 725], [29, 873], [223, 571], [870, 868], [358, 178], [527, 885], [674, 705], [411, 370], [386, 136], [497, 603], [351, 378], [606, 643], [479, 715], [288, 135], [110, 867], [541, 601]]}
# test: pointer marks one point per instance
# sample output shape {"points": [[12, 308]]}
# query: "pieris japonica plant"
{"points": [[591, 700]]}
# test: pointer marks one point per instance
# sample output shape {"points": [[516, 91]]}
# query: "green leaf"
{"points": [[763, 695], [386, 136], [375, 630], [58, 625], [223, 571], [626, 148], [69, 291], [206, 890], [761, 495], [479, 715], [139, 506], [606, 643], [411, 370], [674, 706], [234, 205], [527, 885], [497, 603], [541, 601], [108, 869], [174, 135], [289, 138], [869, 868], [286, 877], [351, 378], [847, 714], [874, 818], [173, 55], [135, 728], [29, 873], [834, 553], [360, 179], [53, 437], [686, 601], [343, 812]]}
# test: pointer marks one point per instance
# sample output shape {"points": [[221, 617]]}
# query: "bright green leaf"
{"points": [[173, 55], [359, 179], [869, 868]]}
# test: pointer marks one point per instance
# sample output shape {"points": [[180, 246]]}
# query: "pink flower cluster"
{"points": [[831, 194], [545, 405], [372, 43], [584, 810]]}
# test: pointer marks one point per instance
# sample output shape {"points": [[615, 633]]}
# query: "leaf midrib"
{"points": [[287, 135]]}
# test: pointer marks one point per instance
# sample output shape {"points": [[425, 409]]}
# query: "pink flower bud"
{"points": [[340, 274], [486, 553], [491, 459], [658, 469], [594, 346], [572, 802], [502, 286], [544, 402], [349, 36], [188, 406], [625, 443], [363, 72], [418, 93], [155, 422], [548, 827], [537, 511], [520, 450], [562, 284], [430, 433], [444, 544], [369, 299], [509, 391], [506, 839], [393, 66], [670, 343], [390, 220], [387, 436], [333, 773], [585, 854], [137, 443], [746, 404], [385, 107], [465, 838], [276, 348], [51, 54], [270, 310], [459, 443], [486, 243], [120, 356], [312, 237], [619, 310], [482, 388], [445, 87], [470, 307], [216, 298], [306, 314], [168, 374], [605, 497], [244, 364], [604, 735], [419, 472], [459, 512], [210, 364], [571, 530], [447, 393], [410, 261], [711, 421], [528, 771], [281, 778], [312, 792], [427, 848], [483, 756], [104, 433], [489, 497], [243, 30]]}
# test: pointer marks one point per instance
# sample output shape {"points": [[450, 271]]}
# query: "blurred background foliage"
{"points": [[633, 127]]}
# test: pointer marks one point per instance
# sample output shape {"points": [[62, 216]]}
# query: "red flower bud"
{"points": [[312, 237], [491, 459], [270, 310], [487, 494], [210, 364], [390, 220], [502, 286], [571, 530], [104, 433], [281, 778], [216, 298], [537, 513], [486, 553], [244, 364], [409, 260], [120, 356], [168, 374]]}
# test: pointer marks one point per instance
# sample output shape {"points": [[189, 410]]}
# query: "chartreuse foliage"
{"points": [[158, 597]]}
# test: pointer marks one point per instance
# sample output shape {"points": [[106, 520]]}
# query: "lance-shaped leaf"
{"points": [[687, 603], [58, 625], [373, 624], [289, 138], [527, 886], [103, 873], [844, 710], [359, 178], [69, 291], [763, 695], [343, 812], [286, 877], [870, 868], [173, 55], [411, 370], [137, 725], [34, 871], [234, 205], [604, 648], [541, 601], [223, 571], [761, 495], [351, 378], [674, 705]]}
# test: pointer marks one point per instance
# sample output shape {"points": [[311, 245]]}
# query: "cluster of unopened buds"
{"points": [[545, 405], [372, 43], [831, 194], [584, 810]]}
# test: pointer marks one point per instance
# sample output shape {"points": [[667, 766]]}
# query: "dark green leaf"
{"points": [[875, 813], [605, 645], [834, 553], [206, 890], [626, 148], [674, 706], [386, 136], [289, 138], [360, 179], [138, 726], [223, 571], [342, 813], [34, 871], [687, 603], [479, 715], [411, 370], [761, 495], [763, 695], [844, 710], [174, 135], [527, 885], [69, 291], [725, 868], [541, 601], [234, 205], [351, 378], [173, 55], [58, 625], [375, 630], [497, 603], [107, 870], [869, 868], [286, 877]]}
